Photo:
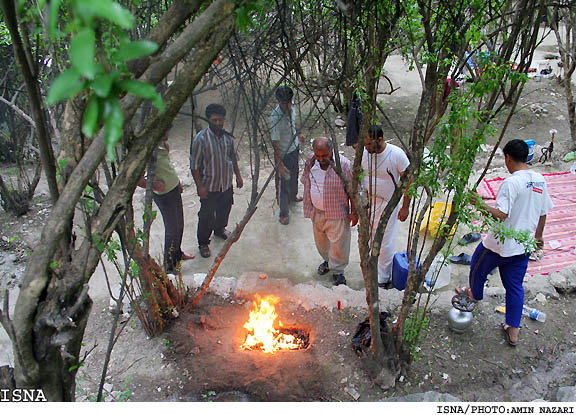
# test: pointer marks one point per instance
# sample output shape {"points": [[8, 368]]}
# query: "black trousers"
{"points": [[213, 214], [287, 189], [170, 205]]}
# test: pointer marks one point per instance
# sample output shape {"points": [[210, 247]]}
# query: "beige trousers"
{"points": [[332, 239]]}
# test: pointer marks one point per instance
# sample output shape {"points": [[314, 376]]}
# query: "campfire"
{"points": [[266, 333]]}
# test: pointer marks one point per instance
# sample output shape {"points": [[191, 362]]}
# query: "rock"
{"points": [[536, 284], [541, 298], [108, 387], [352, 392], [340, 122], [430, 396], [565, 280], [566, 394]]}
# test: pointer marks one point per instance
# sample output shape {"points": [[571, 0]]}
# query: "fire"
{"points": [[263, 333]]}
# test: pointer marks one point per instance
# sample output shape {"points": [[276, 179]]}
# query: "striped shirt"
{"points": [[213, 157], [283, 130], [335, 198]]}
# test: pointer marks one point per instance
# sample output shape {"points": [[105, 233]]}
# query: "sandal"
{"points": [[323, 268], [507, 335], [469, 238], [463, 259]]}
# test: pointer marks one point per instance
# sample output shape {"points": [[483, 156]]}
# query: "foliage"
{"points": [[103, 77]]}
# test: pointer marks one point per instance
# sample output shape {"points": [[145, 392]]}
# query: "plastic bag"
{"points": [[363, 337]]}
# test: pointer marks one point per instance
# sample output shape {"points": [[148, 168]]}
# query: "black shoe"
{"points": [[463, 259], [323, 268], [386, 285], [339, 279], [469, 238], [223, 234], [204, 251]]}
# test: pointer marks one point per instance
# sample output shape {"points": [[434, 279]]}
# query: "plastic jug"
{"points": [[400, 265], [438, 274], [530, 150]]}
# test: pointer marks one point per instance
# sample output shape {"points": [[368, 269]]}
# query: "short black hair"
{"points": [[284, 94], [215, 109], [375, 131], [517, 150]]}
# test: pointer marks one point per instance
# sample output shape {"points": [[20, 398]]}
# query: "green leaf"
{"points": [[134, 50], [90, 120], [66, 85], [107, 10], [142, 90], [103, 84], [81, 51], [114, 121]]}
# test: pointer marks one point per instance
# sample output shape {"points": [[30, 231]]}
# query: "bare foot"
{"points": [[186, 257]]}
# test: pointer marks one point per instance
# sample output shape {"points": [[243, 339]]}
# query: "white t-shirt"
{"points": [[524, 198], [377, 181], [317, 179]]}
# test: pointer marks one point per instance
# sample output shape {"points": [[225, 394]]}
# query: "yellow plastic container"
{"points": [[435, 216]]}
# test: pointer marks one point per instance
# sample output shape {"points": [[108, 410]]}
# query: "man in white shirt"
{"points": [[521, 204], [384, 165]]}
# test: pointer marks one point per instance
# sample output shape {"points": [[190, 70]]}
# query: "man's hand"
{"points": [[202, 192], [239, 182], [475, 197], [403, 213], [158, 186], [282, 170], [353, 219], [539, 242]]}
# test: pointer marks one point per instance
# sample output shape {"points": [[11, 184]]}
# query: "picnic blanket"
{"points": [[560, 231]]}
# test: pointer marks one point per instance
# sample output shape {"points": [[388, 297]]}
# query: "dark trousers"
{"points": [[213, 214], [170, 205], [287, 189]]}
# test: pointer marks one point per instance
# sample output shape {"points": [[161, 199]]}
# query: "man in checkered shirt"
{"points": [[327, 203]]}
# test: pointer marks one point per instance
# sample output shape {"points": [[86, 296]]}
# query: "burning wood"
{"points": [[265, 334]]}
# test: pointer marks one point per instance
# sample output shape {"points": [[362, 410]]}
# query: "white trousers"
{"points": [[332, 239], [388, 247]]}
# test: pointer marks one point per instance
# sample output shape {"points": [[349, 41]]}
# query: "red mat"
{"points": [[560, 221]]}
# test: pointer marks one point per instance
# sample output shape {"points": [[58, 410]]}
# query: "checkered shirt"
{"points": [[336, 201]]}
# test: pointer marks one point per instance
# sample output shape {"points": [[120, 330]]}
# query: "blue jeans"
{"points": [[512, 270]]}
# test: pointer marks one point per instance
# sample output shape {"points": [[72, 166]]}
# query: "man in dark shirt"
{"points": [[213, 161]]}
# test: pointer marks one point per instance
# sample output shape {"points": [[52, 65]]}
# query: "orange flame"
{"points": [[262, 331]]}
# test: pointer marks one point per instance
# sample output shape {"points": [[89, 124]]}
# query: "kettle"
{"points": [[458, 320]]}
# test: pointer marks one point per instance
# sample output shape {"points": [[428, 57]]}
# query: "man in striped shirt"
{"points": [[327, 203], [212, 162]]}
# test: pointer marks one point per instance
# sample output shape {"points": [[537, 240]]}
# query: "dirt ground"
{"points": [[198, 358]]}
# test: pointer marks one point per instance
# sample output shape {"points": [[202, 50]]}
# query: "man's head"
{"points": [[216, 115], [323, 153], [515, 152], [374, 141], [284, 95]]}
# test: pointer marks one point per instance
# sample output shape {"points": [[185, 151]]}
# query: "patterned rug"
{"points": [[560, 230]]}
